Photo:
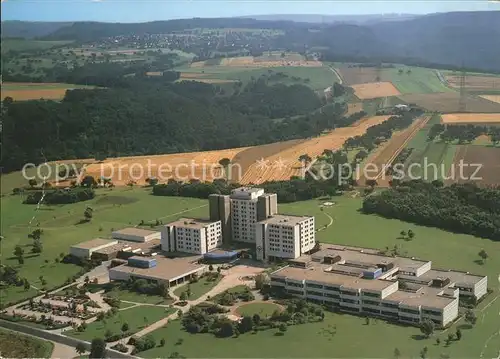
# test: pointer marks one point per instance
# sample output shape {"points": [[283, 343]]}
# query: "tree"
{"points": [[411, 234], [256, 319], [26, 284], [423, 352], [261, 280], [482, 253], [97, 348], [32, 183], [37, 246], [449, 339], [427, 327], [397, 353], [470, 317], [305, 158], [403, 234], [246, 324], [88, 213], [88, 181], [219, 270], [458, 333], [18, 251], [283, 327], [125, 327], [80, 348], [184, 296], [226, 329], [371, 183], [438, 341], [210, 268]]}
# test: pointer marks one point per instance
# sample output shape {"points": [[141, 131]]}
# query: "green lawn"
{"points": [[17, 345], [420, 80], [320, 77], [197, 289], [131, 296], [112, 210], [263, 309], [339, 336], [137, 318]]}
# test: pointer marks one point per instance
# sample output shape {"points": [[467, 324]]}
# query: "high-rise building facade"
{"points": [[189, 235]]}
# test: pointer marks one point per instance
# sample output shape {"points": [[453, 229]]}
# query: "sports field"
{"points": [[22, 91]]}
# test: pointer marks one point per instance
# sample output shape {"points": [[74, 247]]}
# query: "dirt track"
{"points": [[386, 155]]}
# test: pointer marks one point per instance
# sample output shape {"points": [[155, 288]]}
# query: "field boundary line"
{"points": [[405, 143]]}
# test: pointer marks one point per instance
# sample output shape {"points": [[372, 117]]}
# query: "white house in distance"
{"points": [[284, 236], [85, 249], [197, 236], [136, 234]]}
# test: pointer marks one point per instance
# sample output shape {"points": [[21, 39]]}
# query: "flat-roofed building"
{"points": [[249, 205], [362, 280], [197, 236], [136, 234], [284, 236], [169, 271], [85, 249], [126, 249]]}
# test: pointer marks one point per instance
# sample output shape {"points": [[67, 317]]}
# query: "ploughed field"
{"points": [[483, 165]]}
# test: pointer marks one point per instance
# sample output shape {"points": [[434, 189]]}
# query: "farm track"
{"points": [[390, 151]]}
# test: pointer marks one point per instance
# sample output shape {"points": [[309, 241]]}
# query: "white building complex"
{"points": [[136, 234], [197, 236], [283, 236], [363, 281]]}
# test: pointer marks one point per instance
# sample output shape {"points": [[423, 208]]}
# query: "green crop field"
{"points": [[420, 80], [26, 45], [137, 318], [113, 209], [319, 77]]}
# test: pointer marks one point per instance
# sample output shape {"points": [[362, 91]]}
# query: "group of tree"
{"points": [[463, 133], [60, 196], [460, 208]]}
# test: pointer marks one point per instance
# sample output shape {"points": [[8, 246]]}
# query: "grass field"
{"points": [[137, 318], [263, 309], [22, 91], [112, 210], [26, 45], [131, 296], [17, 345], [420, 80], [197, 289], [319, 77]]}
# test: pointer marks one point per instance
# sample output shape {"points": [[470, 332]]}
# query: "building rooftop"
{"points": [[191, 223], [284, 219], [96, 242], [133, 231], [165, 269], [454, 276], [319, 274], [145, 247], [422, 298], [247, 190]]}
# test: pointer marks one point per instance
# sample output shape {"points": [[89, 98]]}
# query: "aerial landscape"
{"points": [[207, 181]]}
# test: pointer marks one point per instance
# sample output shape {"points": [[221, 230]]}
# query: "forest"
{"points": [[143, 116], [460, 208]]}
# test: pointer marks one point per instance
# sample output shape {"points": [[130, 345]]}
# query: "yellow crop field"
{"points": [[375, 90]]}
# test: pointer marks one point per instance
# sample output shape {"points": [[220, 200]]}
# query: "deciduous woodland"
{"points": [[457, 208], [141, 116]]}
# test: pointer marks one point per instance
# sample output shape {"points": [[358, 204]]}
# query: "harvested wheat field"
{"points": [[285, 164], [448, 102], [471, 118], [180, 166], [192, 75], [494, 98], [24, 95], [154, 73], [375, 90], [237, 61], [385, 155], [475, 82]]}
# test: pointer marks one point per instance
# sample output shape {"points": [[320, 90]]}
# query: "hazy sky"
{"points": [[148, 10]]}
